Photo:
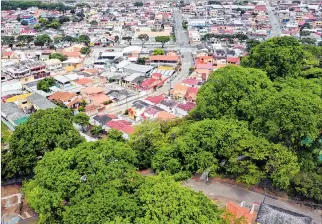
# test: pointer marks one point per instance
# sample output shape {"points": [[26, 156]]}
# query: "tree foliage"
{"points": [[82, 119], [13, 5], [42, 40], [289, 116], [58, 56], [96, 182], [143, 38], [227, 147], [7, 40], [128, 39], [138, 4], [182, 204], [233, 92], [44, 131], [158, 51], [279, 57], [145, 140], [45, 84], [162, 39], [85, 50], [84, 39]]}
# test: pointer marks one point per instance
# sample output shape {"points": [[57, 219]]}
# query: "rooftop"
{"points": [[270, 214]]}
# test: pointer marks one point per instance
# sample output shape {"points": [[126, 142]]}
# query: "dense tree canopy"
{"points": [[145, 141], [44, 131], [289, 116], [97, 183], [279, 57], [227, 147], [233, 92], [45, 84]]}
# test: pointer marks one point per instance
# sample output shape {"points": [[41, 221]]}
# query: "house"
{"points": [[191, 95], [190, 82], [151, 112], [71, 100], [233, 60], [87, 82], [183, 109], [12, 115], [240, 212], [121, 125], [135, 68], [154, 82], [168, 105], [62, 82], [133, 81], [165, 116], [200, 74], [90, 91], [163, 59], [99, 99], [154, 100], [91, 110], [179, 91], [101, 120], [25, 70], [39, 102], [137, 108], [53, 64], [271, 214]]}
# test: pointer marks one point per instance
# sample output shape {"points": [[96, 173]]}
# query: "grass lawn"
{"points": [[5, 133]]}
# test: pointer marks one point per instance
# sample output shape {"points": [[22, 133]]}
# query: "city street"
{"points": [[276, 26]]}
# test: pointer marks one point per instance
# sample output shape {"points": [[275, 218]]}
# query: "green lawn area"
{"points": [[5, 133]]}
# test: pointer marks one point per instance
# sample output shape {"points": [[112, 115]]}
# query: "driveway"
{"points": [[238, 194]]}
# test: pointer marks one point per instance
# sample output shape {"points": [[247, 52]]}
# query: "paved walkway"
{"points": [[238, 194]]}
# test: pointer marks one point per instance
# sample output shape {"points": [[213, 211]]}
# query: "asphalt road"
{"points": [[276, 26], [238, 194], [181, 34]]}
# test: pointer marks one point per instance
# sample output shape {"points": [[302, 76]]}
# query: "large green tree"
{"points": [[82, 119], [7, 40], [42, 40], [163, 200], [279, 57], [145, 140], [143, 38], [226, 147], [162, 39], [43, 132], [232, 92], [45, 84], [84, 39], [25, 39], [96, 182], [289, 116], [87, 184]]}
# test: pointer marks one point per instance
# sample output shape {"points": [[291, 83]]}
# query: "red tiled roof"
{"points": [[240, 212], [155, 99], [163, 58], [186, 106], [233, 59], [83, 81], [121, 125], [190, 82], [148, 82]]}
